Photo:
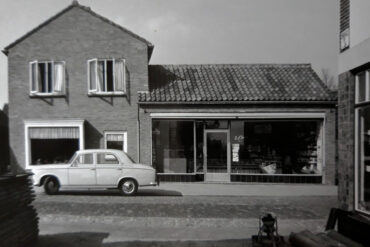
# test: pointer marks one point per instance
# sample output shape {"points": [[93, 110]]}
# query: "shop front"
{"points": [[264, 123], [235, 149]]}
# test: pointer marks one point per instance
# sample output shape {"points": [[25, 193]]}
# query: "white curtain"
{"points": [[34, 78], [119, 70], [114, 137], [58, 77], [92, 75], [54, 133]]}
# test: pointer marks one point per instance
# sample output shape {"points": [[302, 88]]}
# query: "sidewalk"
{"points": [[251, 189], [233, 189]]}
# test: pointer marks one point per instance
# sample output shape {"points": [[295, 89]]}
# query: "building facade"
{"points": [[72, 85], [354, 108], [79, 81]]}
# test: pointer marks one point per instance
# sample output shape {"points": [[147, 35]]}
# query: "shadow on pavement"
{"points": [[113, 192], [95, 239], [185, 243], [75, 239]]}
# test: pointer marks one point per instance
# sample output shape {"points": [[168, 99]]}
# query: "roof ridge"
{"points": [[301, 65], [66, 9]]}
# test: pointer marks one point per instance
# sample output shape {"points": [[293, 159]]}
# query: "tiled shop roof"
{"points": [[234, 83]]}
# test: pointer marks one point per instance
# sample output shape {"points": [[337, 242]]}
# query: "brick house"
{"points": [[353, 107], [72, 88], [55, 100]]}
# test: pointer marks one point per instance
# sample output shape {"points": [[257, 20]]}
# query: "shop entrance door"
{"points": [[217, 159]]}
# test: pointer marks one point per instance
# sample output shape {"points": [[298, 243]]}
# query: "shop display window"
{"points": [[255, 146], [173, 146], [362, 141], [276, 147], [363, 158]]}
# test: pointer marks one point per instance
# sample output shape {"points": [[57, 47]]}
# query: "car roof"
{"points": [[99, 151]]}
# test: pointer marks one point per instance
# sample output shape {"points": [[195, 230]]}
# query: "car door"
{"points": [[82, 171], [108, 169]]}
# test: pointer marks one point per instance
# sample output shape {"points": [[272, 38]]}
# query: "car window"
{"points": [[107, 159], [85, 159]]}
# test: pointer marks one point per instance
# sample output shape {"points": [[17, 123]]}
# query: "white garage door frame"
{"points": [[47, 124]]}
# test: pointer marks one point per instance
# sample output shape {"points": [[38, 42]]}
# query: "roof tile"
{"points": [[234, 82]]}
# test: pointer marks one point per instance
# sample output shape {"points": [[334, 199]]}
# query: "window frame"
{"points": [[110, 132], [107, 164], [76, 162], [92, 92], [358, 147], [367, 87], [53, 92]]}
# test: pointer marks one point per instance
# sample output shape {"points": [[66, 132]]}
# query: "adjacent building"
{"points": [[79, 81], [4, 140], [354, 107]]}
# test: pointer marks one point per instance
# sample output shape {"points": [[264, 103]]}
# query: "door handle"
{"points": [[119, 168], [92, 169]]}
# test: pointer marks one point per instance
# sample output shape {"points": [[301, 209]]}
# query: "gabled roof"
{"points": [[75, 4], [234, 83]]}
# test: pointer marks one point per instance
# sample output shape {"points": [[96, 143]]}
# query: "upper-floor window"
{"points": [[47, 78], [362, 87], [106, 76]]}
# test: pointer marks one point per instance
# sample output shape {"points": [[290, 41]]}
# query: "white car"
{"points": [[95, 168]]}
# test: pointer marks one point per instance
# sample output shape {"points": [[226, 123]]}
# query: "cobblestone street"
{"points": [[159, 215]]}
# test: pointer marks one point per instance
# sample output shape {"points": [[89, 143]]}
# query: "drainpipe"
{"points": [[138, 133]]}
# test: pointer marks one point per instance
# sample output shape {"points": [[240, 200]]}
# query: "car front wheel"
{"points": [[51, 186], [128, 187]]}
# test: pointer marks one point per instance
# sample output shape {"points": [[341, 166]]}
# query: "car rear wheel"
{"points": [[51, 186], [128, 187]]}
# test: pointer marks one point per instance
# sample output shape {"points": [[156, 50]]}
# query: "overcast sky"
{"points": [[202, 31]]}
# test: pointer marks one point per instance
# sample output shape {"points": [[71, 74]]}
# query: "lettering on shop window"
{"points": [[235, 149], [239, 138]]}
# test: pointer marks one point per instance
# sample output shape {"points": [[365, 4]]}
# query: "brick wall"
{"points": [[75, 37], [330, 140], [346, 140]]}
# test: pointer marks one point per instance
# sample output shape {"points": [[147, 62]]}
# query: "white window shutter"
{"points": [[124, 79], [92, 75], [34, 77]]}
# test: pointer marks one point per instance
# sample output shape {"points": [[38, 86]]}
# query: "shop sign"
{"points": [[239, 138]]}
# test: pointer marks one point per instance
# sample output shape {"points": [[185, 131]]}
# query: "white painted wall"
{"points": [[359, 21]]}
